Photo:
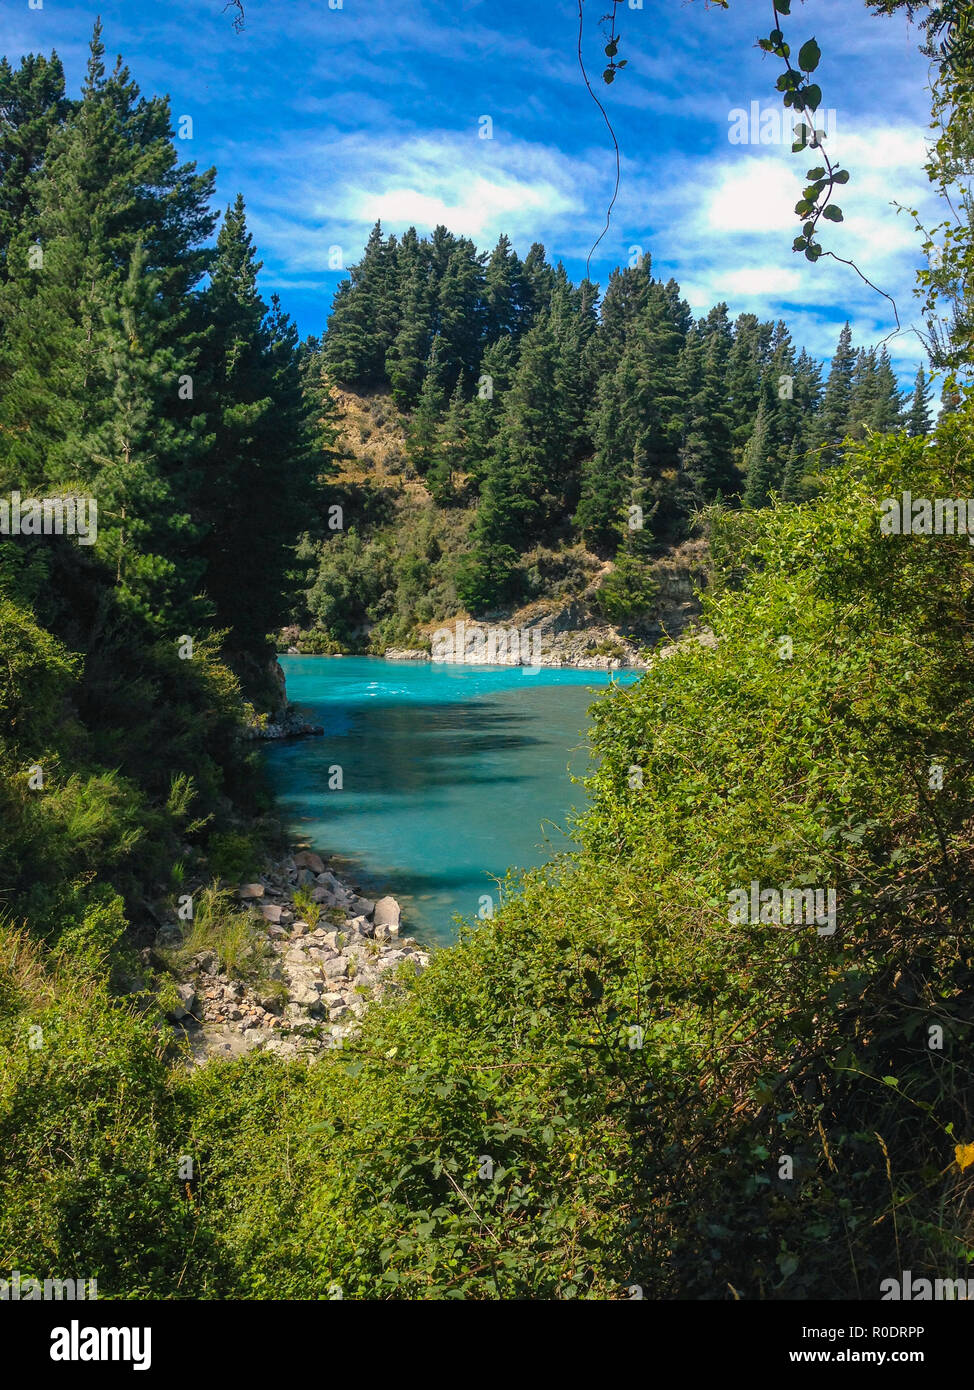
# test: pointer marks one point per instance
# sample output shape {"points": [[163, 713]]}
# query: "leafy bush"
{"points": [[628, 590], [233, 855]]}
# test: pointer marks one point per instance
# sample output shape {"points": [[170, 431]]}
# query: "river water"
{"points": [[449, 775]]}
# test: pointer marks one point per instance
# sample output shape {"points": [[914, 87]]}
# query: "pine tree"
{"points": [[919, 417], [574, 324], [746, 365], [624, 299], [863, 394], [638, 423], [535, 284], [792, 489], [364, 319], [253, 497], [405, 362], [450, 451], [484, 412], [524, 492], [833, 418], [762, 467], [460, 315], [502, 283], [706, 452], [606, 477], [33, 103], [144, 460], [423, 434], [113, 197]]}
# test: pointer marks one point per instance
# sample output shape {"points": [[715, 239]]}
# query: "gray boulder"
{"points": [[388, 914], [187, 1002]]}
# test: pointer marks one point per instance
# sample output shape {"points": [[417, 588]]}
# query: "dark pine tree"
{"points": [[253, 497], [96, 330], [364, 318], [33, 106], [919, 416], [502, 285], [423, 434], [833, 418], [405, 362]]}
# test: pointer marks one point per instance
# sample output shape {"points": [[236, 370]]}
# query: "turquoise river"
{"points": [[449, 775]]}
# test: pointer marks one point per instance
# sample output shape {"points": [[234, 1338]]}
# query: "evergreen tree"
{"points": [[706, 452], [638, 422], [364, 319], [144, 459], [405, 362], [451, 450], [763, 470], [502, 285], [624, 299], [253, 496], [607, 477], [423, 434], [833, 418], [887, 413], [485, 410], [791, 482], [523, 497], [863, 394], [919, 417], [746, 365], [460, 315], [33, 105], [101, 319], [535, 284]]}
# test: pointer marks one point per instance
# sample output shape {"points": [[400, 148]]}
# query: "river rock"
{"points": [[307, 859], [187, 1002], [306, 993], [387, 913]]}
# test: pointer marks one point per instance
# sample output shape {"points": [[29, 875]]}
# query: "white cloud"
{"points": [[335, 186]]}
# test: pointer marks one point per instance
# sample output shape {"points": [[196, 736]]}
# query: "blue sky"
{"points": [[326, 119]]}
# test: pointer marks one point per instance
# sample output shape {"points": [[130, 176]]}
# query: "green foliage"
{"points": [[233, 855], [595, 1087], [629, 590], [232, 932], [307, 909]]}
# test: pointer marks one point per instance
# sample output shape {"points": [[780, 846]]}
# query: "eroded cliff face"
{"points": [[575, 633]]}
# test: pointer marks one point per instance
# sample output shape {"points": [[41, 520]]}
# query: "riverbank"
{"points": [[318, 954]]}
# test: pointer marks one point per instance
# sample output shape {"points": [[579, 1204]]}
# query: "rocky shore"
{"points": [[320, 961], [286, 724]]}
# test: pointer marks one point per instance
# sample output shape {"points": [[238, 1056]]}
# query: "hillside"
{"points": [[404, 552]]}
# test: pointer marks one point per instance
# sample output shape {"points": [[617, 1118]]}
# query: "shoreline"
{"points": [[402, 655], [325, 953]]}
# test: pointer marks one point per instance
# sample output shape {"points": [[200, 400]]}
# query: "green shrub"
{"points": [[307, 909], [628, 590], [233, 855]]}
